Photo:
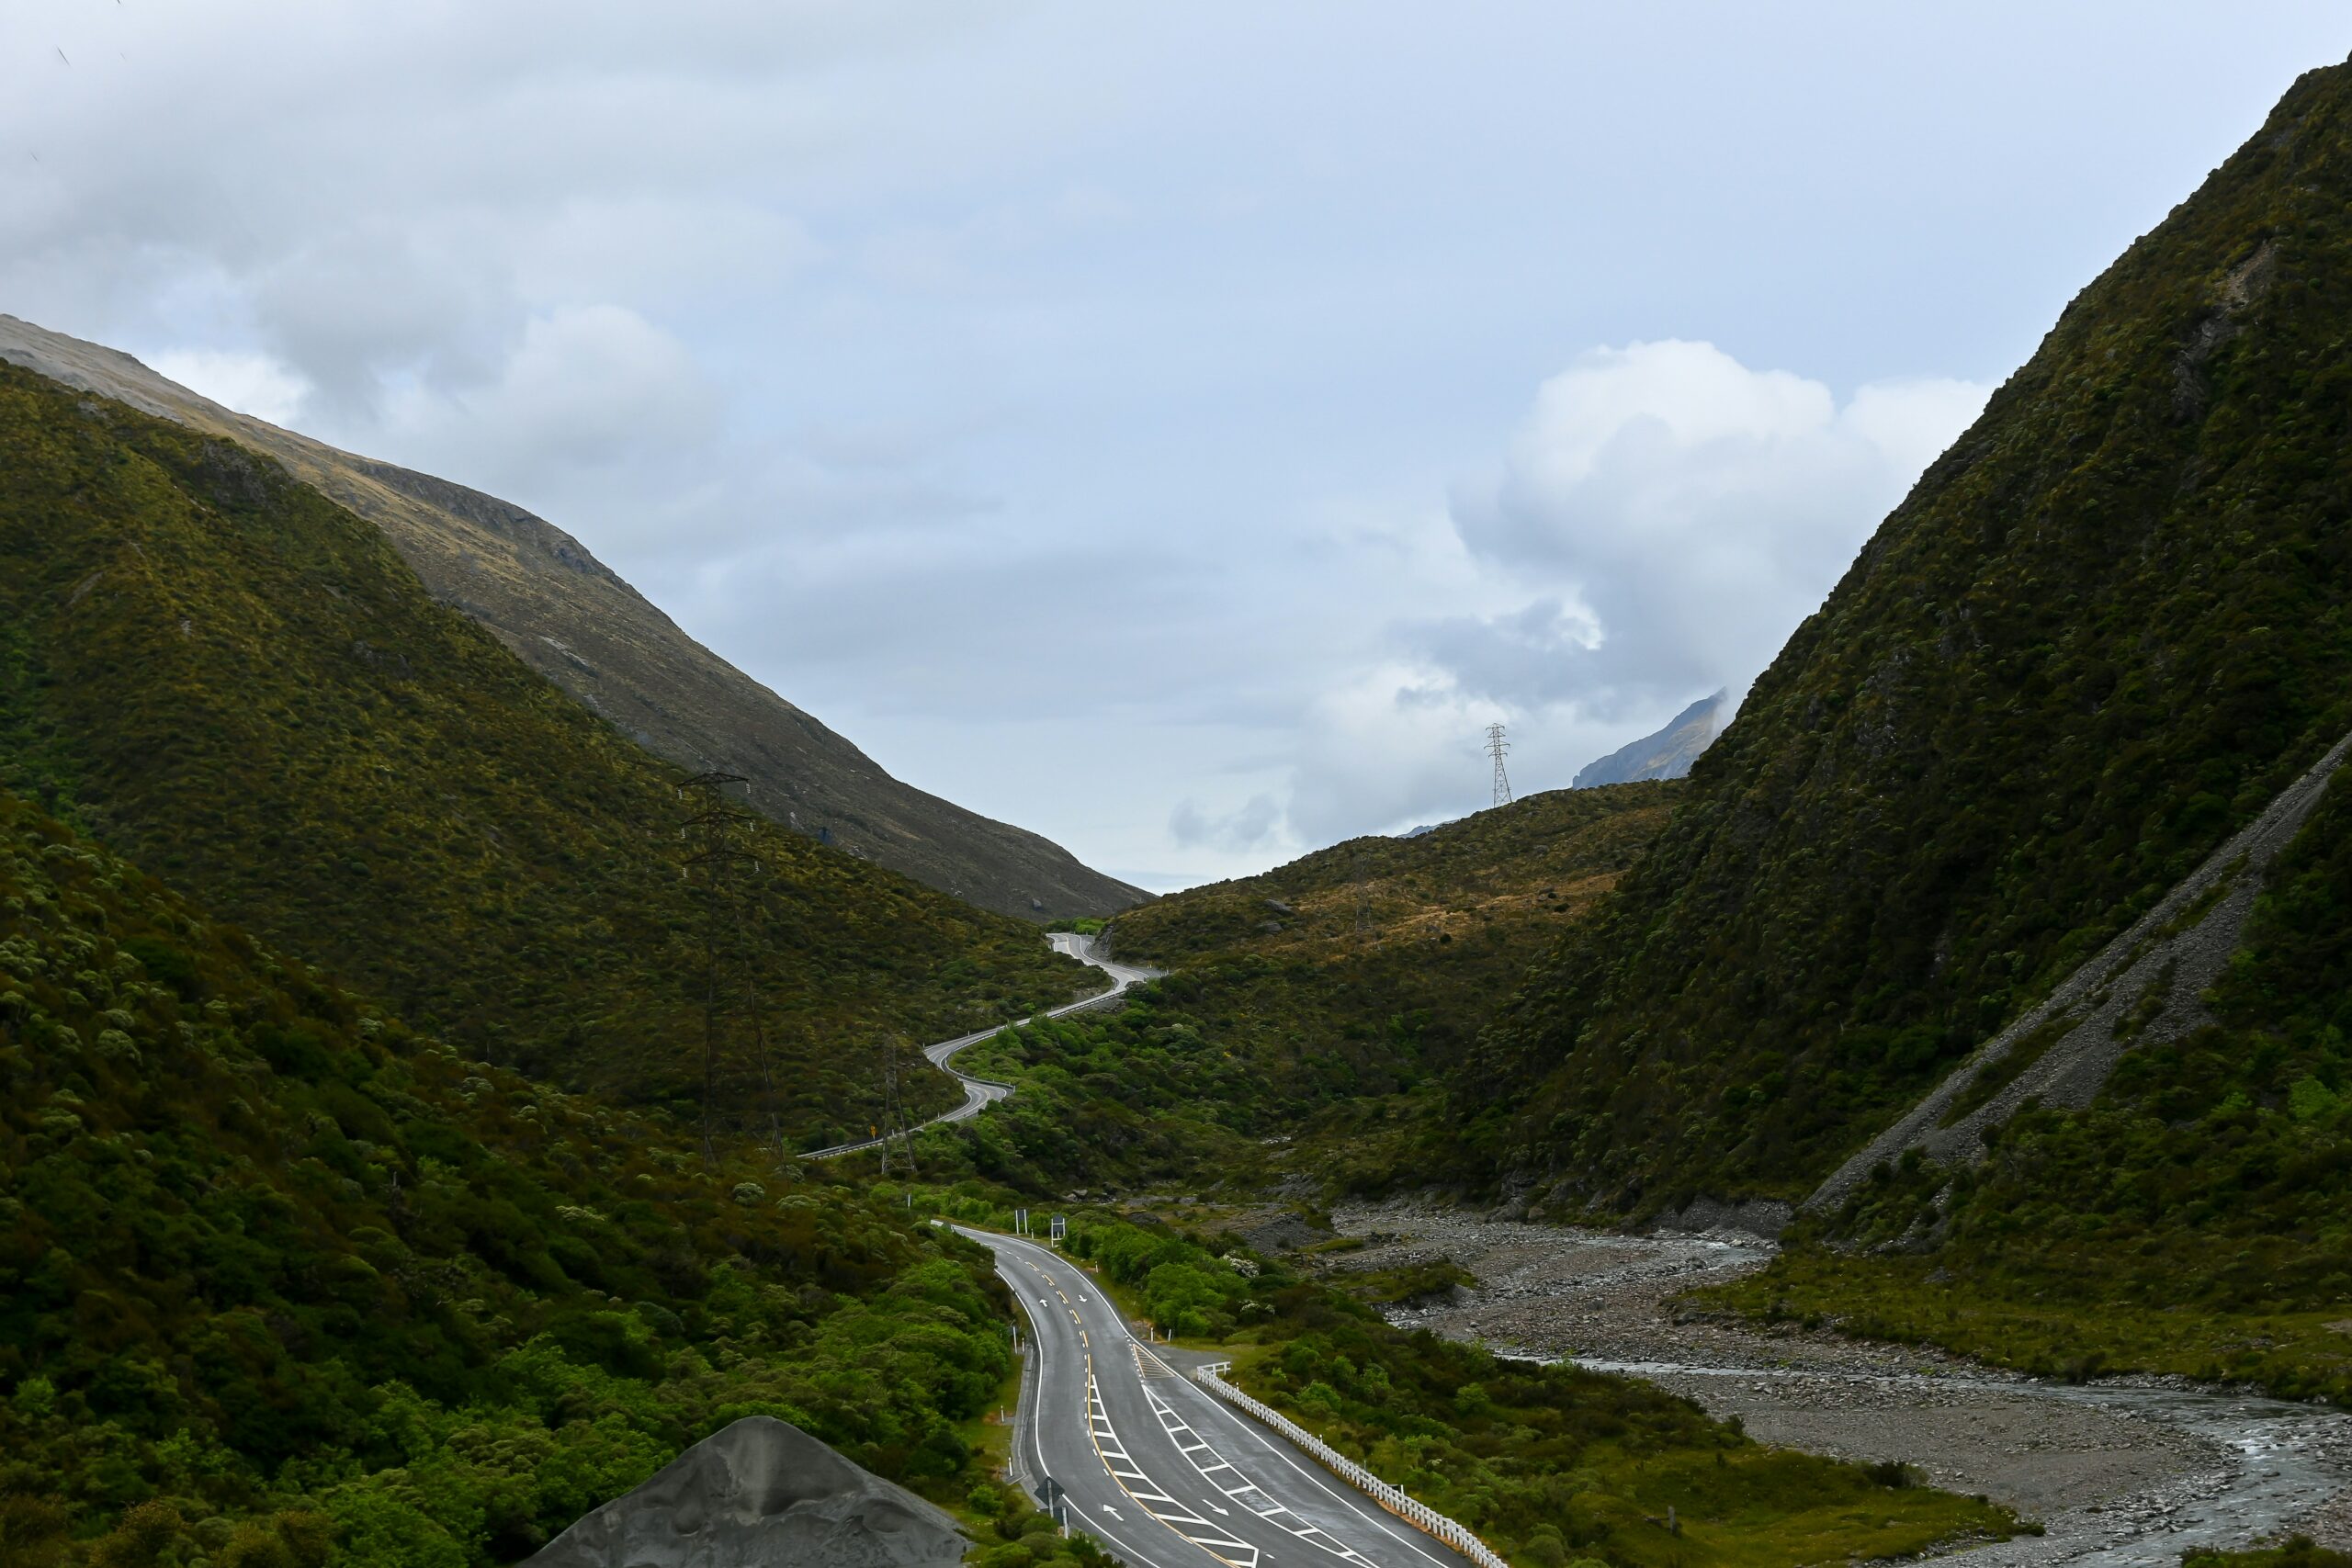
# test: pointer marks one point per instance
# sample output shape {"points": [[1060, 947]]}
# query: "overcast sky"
{"points": [[1176, 429]]}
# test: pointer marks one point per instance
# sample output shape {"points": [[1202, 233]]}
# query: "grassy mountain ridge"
{"points": [[1543, 854], [222, 674], [2196, 1219], [1307, 1039], [2102, 630], [569, 617], [283, 1282]]}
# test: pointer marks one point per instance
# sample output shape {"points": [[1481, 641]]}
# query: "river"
{"points": [[2127, 1470]]}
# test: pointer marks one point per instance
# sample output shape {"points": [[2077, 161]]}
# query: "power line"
{"points": [[1496, 747], [894, 1129]]}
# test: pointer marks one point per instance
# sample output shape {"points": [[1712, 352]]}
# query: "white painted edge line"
{"points": [[1393, 1498]]}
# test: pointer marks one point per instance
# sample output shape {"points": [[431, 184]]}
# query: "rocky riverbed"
{"points": [[2124, 1470]]}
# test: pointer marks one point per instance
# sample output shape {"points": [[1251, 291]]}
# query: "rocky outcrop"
{"points": [[1666, 755], [566, 615], [759, 1493], [2145, 985]]}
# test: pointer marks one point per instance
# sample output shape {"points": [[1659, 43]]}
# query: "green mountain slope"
{"points": [[229, 678], [1311, 1009], [566, 615], [281, 1283], [2101, 632], [2196, 1219], [1545, 854]]}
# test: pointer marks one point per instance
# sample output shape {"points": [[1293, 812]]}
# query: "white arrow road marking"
{"points": [[1147, 1495], [1218, 1471], [1110, 1510]]}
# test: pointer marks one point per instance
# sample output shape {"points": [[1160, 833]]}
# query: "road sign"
{"points": [[1021, 1222], [1060, 1227]]}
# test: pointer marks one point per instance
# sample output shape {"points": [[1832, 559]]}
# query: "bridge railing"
{"points": [[1393, 1498]]}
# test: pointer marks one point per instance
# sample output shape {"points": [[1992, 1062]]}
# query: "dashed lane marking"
{"points": [[1145, 1494], [1219, 1473]]}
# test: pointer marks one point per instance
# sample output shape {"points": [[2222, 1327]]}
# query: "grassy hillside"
{"points": [[239, 684], [283, 1282], [2197, 1219], [569, 616], [1541, 859], [2099, 634], [1305, 1033], [1550, 1464]]}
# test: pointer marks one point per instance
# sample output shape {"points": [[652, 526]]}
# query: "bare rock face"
{"points": [[762, 1492], [1666, 755]]}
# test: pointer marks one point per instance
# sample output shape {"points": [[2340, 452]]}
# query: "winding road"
{"points": [[981, 1092], [1129, 1451]]}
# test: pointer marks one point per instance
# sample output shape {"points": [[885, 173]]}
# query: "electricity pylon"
{"points": [[894, 1128], [1496, 747]]}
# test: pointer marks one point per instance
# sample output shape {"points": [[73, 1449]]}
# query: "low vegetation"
{"points": [[1311, 1012], [2295, 1552], [2102, 633], [1548, 1463], [2197, 1219], [224, 676], [283, 1280]]}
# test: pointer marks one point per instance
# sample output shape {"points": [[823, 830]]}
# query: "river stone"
{"points": [[759, 1493]]}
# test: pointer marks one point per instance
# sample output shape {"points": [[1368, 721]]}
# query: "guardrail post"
{"points": [[1393, 1498]]}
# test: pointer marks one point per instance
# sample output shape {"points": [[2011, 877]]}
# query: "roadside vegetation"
{"points": [[1312, 1013], [2197, 1219], [1549, 1463], [2102, 632], [237, 684], [283, 1280]]}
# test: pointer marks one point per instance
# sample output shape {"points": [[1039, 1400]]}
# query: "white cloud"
{"points": [[1669, 515], [1061, 398], [1234, 833], [583, 395], [253, 384]]}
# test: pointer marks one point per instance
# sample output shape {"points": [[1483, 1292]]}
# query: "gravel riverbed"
{"points": [[2128, 1470]]}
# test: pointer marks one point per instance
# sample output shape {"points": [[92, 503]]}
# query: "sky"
{"points": [[1178, 430]]}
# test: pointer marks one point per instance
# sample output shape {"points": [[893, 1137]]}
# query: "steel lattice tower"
{"points": [[1496, 747]]}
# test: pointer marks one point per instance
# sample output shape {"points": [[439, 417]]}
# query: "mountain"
{"points": [[283, 1281], [221, 673], [1542, 855], [567, 617], [2101, 634], [1665, 755], [1311, 1011]]}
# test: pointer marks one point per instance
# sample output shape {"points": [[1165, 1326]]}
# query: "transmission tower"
{"points": [[1496, 747], [894, 1128], [718, 861]]}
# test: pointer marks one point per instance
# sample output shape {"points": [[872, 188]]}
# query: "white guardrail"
{"points": [[1395, 1499]]}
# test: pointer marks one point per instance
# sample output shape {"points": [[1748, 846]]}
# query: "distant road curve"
{"points": [[979, 1092]]}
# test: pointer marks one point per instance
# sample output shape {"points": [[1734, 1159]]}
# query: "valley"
{"points": [[2120, 1471], [463, 1044]]}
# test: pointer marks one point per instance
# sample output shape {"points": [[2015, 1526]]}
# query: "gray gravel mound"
{"points": [[2144, 987], [760, 1491]]}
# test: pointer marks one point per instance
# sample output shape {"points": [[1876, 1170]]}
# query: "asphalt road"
{"points": [[981, 1092], [1152, 1465]]}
